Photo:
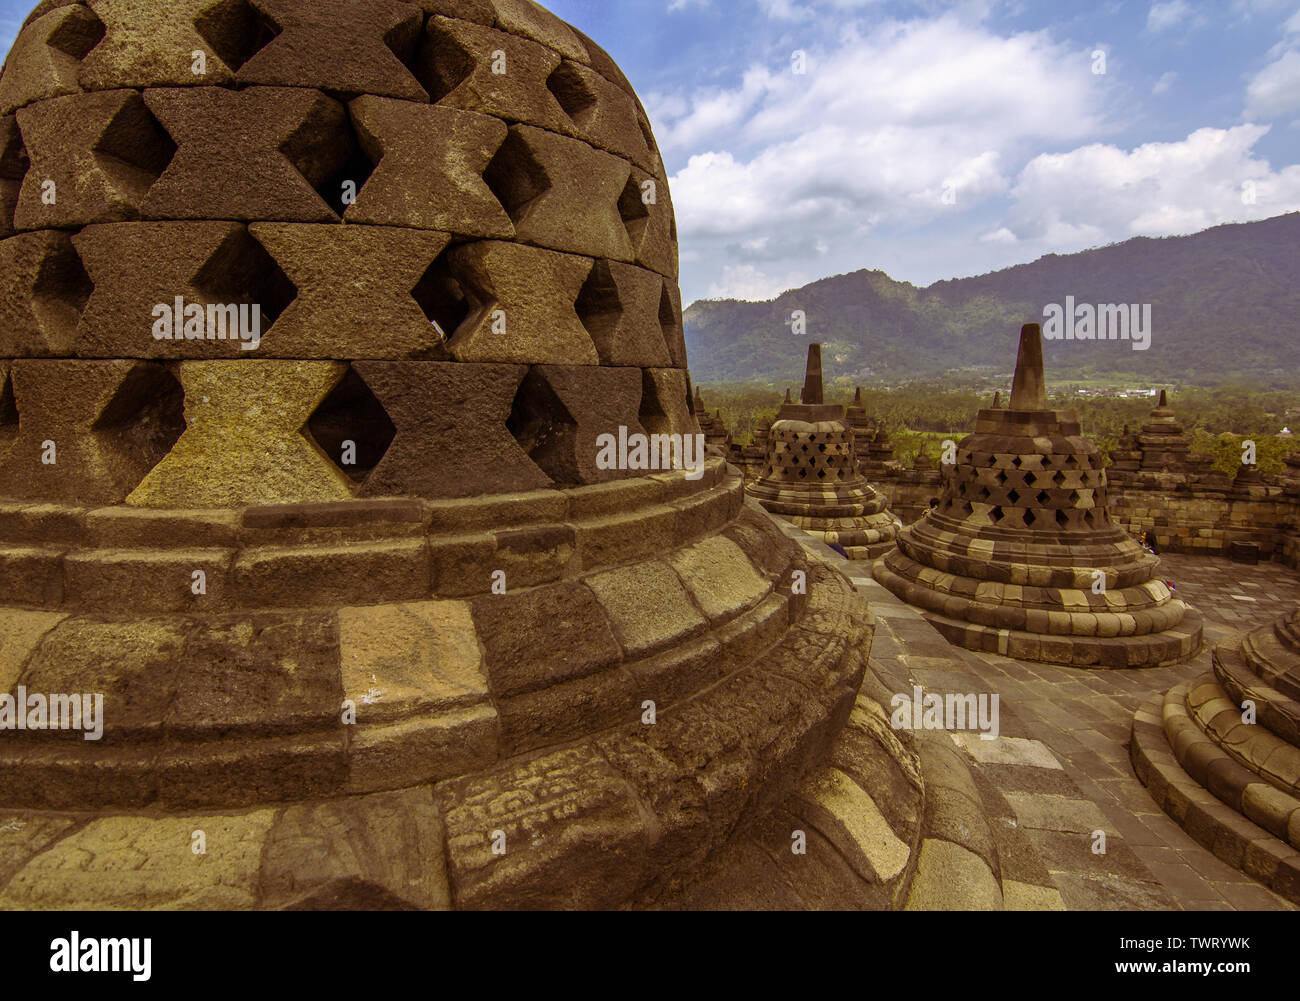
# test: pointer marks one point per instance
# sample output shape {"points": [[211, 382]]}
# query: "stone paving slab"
{"points": [[1061, 758]]}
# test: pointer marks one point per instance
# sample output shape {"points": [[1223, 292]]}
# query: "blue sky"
{"points": [[934, 140]]}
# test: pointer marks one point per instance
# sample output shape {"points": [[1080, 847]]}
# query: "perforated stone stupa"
{"points": [[1221, 754], [360, 601], [1020, 556], [811, 477]]}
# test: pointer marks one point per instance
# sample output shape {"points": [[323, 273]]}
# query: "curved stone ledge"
{"points": [[114, 559], [249, 706], [1234, 837], [1043, 560], [1065, 613]]}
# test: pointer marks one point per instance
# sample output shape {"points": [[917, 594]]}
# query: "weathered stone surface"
{"points": [[46, 55], [137, 267], [457, 412], [602, 113], [13, 166], [20, 633], [423, 749], [148, 44], [561, 817], [44, 262], [82, 407], [652, 228], [648, 607], [147, 863], [261, 674], [664, 409], [412, 657], [351, 280], [429, 164], [457, 66], [571, 419], [32, 576], [720, 578], [619, 306], [248, 154], [522, 17], [523, 305], [135, 664], [670, 319], [542, 636], [579, 210], [241, 443], [336, 44], [24, 836], [848, 818], [326, 575], [949, 877], [148, 580], [378, 852], [100, 151]]}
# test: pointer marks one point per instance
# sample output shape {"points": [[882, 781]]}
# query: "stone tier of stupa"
{"points": [[1220, 753]]}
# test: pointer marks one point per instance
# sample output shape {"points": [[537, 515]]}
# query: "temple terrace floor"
{"points": [[1060, 767]]}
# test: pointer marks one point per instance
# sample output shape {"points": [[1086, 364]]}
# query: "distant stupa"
{"points": [[812, 478], [1020, 556]]}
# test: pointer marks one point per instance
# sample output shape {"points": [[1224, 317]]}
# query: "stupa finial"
{"points": [[812, 380], [1028, 391]]}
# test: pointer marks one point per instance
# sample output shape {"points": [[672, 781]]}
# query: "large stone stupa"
{"points": [[364, 610], [811, 477], [1020, 556]]}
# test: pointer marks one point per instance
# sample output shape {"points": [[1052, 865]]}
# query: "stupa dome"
{"points": [[314, 314]]}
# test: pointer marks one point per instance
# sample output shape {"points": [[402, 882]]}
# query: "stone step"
{"points": [[1274, 709], [1232, 837], [1250, 745]]}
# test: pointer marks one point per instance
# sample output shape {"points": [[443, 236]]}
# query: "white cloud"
{"points": [[1166, 81], [745, 281], [1100, 193], [1167, 15], [784, 10], [876, 132], [1275, 90]]}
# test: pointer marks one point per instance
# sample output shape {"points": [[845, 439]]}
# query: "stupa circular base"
{"points": [[862, 538], [1115, 653], [350, 673], [1233, 782], [974, 614]]}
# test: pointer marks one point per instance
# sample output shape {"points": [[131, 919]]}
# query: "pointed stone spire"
{"points": [[1164, 399], [787, 395], [997, 400], [857, 397], [812, 380], [699, 401], [1028, 391]]}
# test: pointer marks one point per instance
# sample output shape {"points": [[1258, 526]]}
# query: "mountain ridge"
{"points": [[1225, 305]]}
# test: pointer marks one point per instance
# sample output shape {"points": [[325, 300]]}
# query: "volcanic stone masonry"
{"points": [[812, 479], [1020, 556], [360, 603], [1221, 754]]}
